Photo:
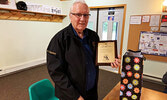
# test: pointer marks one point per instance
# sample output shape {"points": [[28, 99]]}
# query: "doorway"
{"points": [[108, 22]]}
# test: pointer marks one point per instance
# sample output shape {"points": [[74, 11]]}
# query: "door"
{"points": [[92, 24], [108, 22]]}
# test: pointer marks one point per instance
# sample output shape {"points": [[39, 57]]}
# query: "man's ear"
{"points": [[70, 16]]}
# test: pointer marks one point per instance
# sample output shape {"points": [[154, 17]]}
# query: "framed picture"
{"points": [[10, 4], [106, 52]]}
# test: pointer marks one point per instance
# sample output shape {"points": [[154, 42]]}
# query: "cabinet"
{"points": [[12, 14]]}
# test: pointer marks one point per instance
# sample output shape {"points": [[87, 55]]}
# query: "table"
{"points": [[147, 94]]}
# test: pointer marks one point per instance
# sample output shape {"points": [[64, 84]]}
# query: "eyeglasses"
{"points": [[79, 15]]}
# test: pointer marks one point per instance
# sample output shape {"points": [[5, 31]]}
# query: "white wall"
{"points": [[25, 42]]}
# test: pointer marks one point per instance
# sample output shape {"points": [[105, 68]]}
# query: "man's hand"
{"points": [[116, 63], [80, 98]]}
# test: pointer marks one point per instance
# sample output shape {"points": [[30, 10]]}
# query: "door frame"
{"points": [[123, 23]]}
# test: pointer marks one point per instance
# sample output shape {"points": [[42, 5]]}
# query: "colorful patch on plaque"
{"points": [[125, 81], [129, 73], [128, 67], [130, 86], [127, 59], [136, 67], [135, 82], [137, 75], [136, 60]]}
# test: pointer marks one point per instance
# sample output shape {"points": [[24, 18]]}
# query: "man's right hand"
{"points": [[80, 98]]}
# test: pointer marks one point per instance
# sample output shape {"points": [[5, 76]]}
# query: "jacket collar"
{"points": [[72, 31]]}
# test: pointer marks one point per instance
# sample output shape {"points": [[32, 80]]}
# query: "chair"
{"points": [[42, 90]]}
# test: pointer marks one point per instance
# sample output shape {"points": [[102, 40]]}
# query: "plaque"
{"points": [[106, 52]]}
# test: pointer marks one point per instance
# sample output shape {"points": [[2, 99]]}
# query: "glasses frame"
{"points": [[79, 15]]}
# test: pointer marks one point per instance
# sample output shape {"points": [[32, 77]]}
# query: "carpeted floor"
{"points": [[15, 86]]}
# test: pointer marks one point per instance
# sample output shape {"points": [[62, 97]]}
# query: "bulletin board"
{"points": [[135, 29]]}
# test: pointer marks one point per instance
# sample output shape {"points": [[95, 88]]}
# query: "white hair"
{"points": [[78, 1], [81, 1]]}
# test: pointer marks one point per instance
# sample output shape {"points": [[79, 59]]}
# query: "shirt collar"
{"points": [[85, 32]]}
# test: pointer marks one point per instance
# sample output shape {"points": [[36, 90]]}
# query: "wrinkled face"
{"points": [[79, 16]]}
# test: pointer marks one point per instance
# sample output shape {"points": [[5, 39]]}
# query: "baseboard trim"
{"points": [[15, 68], [152, 79], [108, 68]]}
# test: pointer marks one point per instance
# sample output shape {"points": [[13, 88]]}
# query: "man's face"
{"points": [[79, 16]]}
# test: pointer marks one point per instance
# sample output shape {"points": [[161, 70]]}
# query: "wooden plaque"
{"points": [[106, 52]]}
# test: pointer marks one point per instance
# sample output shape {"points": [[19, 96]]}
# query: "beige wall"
{"points": [[26, 41]]}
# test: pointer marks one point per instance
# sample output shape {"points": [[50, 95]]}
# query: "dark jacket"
{"points": [[66, 63]]}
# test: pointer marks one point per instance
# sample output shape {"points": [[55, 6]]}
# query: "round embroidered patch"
{"points": [[136, 90], [122, 74], [124, 98], [125, 81], [136, 60], [128, 93], [128, 67], [129, 73], [137, 75], [134, 97], [121, 93], [127, 59], [122, 87], [130, 86], [135, 82], [136, 67]]}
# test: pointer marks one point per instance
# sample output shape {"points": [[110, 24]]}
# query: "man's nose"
{"points": [[83, 17]]}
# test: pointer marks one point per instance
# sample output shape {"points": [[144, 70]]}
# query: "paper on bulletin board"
{"points": [[154, 20], [135, 20], [163, 27], [154, 28], [153, 43], [146, 19]]}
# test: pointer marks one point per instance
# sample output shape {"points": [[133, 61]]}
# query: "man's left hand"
{"points": [[116, 63]]}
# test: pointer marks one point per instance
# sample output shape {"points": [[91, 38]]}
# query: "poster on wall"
{"points": [[10, 4], [34, 7], [163, 27], [153, 43]]}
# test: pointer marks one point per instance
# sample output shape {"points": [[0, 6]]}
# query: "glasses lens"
{"points": [[85, 15], [80, 15]]}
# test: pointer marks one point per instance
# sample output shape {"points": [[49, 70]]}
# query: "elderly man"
{"points": [[71, 58]]}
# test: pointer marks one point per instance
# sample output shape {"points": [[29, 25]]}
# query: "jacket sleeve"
{"points": [[56, 65]]}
